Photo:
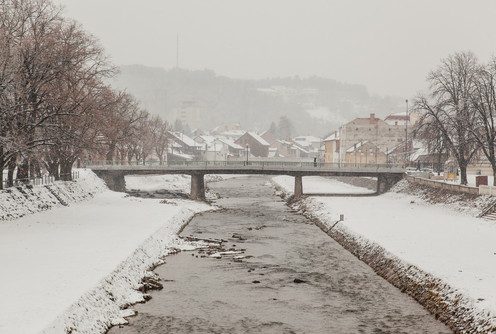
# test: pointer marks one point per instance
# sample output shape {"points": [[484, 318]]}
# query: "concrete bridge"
{"points": [[114, 173]]}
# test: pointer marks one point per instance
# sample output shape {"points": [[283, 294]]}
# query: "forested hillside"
{"points": [[314, 105]]}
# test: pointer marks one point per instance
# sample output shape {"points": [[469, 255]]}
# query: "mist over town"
{"points": [[247, 166]]}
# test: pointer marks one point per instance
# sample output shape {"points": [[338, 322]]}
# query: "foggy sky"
{"points": [[387, 45]]}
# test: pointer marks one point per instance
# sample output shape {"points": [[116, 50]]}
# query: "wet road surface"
{"points": [[278, 273]]}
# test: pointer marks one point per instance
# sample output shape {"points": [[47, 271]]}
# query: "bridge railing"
{"points": [[241, 164]]}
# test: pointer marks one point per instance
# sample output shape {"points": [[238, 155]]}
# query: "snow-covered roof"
{"points": [[230, 143], [308, 139], [333, 136], [181, 155], [259, 139], [418, 152], [356, 146], [298, 148], [206, 139], [285, 142], [185, 139]]}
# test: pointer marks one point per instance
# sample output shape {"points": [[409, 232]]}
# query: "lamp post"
{"points": [[247, 147], [406, 135]]}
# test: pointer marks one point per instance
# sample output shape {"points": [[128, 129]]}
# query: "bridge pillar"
{"points": [[385, 182], [298, 188], [197, 187], [113, 179]]}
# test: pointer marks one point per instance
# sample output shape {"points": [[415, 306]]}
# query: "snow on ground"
{"points": [[319, 185], [16, 202], [453, 246], [175, 183], [80, 263]]}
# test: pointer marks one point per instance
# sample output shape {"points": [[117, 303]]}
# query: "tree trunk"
{"points": [[23, 171], [439, 164], [463, 175], [110, 154], [66, 170], [53, 170], [10, 173], [2, 166], [34, 168], [494, 175]]}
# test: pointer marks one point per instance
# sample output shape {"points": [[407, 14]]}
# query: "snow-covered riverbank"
{"points": [[451, 245], [75, 267]]}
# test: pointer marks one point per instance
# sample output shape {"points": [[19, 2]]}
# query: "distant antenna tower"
{"points": [[177, 51]]}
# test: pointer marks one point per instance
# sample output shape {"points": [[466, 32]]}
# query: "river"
{"points": [[276, 273]]}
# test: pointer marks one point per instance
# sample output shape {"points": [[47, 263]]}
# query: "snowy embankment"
{"points": [[441, 255], [72, 269]]}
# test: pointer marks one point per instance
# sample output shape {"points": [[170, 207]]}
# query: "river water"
{"points": [[277, 273]]}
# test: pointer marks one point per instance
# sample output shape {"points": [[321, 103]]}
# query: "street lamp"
{"points": [[247, 147], [406, 135]]}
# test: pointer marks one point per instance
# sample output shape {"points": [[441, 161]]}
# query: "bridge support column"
{"points": [[385, 182], [298, 187], [197, 187], [113, 179]]}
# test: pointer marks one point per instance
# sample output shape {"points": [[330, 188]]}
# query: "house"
{"points": [[216, 151], [181, 143], [282, 147], [371, 129], [234, 150], [309, 143], [365, 152], [269, 137], [296, 151], [256, 145], [231, 134], [331, 148]]}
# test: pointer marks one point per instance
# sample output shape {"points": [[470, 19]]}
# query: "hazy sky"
{"points": [[387, 45]]}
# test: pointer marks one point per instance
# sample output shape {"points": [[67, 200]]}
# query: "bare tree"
{"points": [[484, 103], [449, 106], [119, 123], [159, 130]]}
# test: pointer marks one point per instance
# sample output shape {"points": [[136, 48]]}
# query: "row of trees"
{"points": [[459, 113], [55, 105]]}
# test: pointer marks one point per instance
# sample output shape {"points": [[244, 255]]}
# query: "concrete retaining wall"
{"points": [[443, 185], [487, 190]]}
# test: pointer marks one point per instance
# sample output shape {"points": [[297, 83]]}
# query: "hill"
{"points": [[314, 105]]}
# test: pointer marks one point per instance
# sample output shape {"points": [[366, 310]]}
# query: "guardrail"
{"points": [[36, 181], [241, 164]]}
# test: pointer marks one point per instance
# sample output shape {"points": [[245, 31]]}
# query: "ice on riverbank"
{"points": [[81, 263], [450, 244]]}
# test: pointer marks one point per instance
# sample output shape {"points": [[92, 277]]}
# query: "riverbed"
{"points": [[274, 272]]}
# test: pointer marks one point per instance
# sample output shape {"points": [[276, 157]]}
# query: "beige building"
{"points": [[384, 135], [332, 145], [373, 130], [365, 153]]}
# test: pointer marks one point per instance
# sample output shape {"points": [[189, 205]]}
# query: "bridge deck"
{"points": [[254, 167]]}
